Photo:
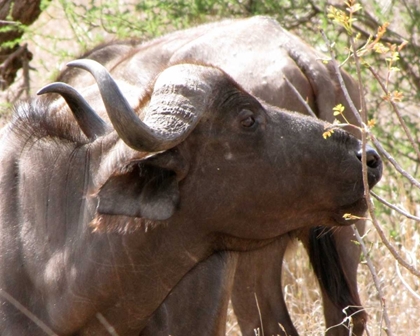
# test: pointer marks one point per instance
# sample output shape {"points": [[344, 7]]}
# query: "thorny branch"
{"points": [[381, 150], [367, 196], [365, 131]]}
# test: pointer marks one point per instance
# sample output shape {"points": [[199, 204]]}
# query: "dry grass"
{"points": [[300, 290], [304, 300]]}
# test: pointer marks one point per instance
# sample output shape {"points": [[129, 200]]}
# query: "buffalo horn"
{"points": [[172, 113], [89, 122]]}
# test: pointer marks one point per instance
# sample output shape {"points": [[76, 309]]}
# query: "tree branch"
{"points": [[392, 206]]}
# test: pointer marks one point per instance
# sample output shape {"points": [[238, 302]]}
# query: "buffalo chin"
{"points": [[351, 213]]}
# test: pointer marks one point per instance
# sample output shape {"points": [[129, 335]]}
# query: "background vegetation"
{"points": [[66, 29]]}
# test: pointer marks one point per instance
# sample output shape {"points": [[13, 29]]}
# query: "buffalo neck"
{"points": [[79, 273]]}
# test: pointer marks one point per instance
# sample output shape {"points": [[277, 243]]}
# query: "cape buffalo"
{"points": [[258, 53], [209, 168]]}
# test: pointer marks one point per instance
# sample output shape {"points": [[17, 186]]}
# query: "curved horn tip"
{"points": [[55, 87], [90, 123], [84, 63]]}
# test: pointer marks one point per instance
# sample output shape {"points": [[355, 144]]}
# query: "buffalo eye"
{"points": [[247, 119], [248, 122]]}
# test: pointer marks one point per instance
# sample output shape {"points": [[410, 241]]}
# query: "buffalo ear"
{"points": [[147, 188]]}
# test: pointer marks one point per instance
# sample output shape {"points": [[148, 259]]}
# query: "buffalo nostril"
{"points": [[372, 157]]}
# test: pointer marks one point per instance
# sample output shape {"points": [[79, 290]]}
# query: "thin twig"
{"points": [[369, 202], [27, 313], [347, 319], [365, 179], [282, 328], [377, 144], [392, 206], [401, 261], [259, 313], [361, 119], [363, 110], [105, 323], [406, 285], [375, 280], [391, 248], [389, 157], [299, 96], [341, 80], [26, 78], [14, 23], [399, 153]]}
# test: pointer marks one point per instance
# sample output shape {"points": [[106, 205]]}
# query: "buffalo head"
{"points": [[220, 157]]}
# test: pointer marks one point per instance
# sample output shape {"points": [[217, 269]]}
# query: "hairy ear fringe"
{"points": [[120, 224]]}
